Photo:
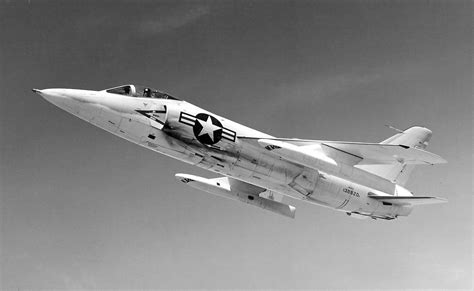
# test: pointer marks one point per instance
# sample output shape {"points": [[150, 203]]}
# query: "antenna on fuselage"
{"points": [[394, 128]]}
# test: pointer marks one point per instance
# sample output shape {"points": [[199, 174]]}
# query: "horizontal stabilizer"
{"points": [[409, 200], [374, 153]]}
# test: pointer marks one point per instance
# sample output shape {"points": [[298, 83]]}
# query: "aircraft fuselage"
{"points": [[196, 136]]}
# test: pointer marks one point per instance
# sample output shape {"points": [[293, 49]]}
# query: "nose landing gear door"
{"points": [[157, 114]]}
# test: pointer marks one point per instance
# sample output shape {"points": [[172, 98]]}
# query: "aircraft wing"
{"points": [[240, 191], [375, 153], [409, 200], [353, 152]]}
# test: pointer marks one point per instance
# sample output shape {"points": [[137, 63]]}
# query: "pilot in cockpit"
{"points": [[126, 90], [147, 92]]}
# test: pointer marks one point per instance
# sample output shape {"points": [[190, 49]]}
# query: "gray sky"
{"points": [[81, 208]]}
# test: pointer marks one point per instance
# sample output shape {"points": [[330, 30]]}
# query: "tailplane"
{"points": [[416, 137]]}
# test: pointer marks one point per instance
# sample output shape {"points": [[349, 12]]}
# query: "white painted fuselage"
{"points": [[193, 135]]}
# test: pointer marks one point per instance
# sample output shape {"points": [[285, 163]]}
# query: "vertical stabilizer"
{"points": [[417, 137]]}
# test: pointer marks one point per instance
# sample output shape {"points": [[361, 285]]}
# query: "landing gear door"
{"points": [[157, 114]]}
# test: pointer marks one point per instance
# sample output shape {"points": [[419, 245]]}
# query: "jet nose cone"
{"points": [[55, 96], [69, 99]]}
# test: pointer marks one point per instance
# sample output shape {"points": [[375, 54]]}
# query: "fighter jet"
{"points": [[364, 180]]}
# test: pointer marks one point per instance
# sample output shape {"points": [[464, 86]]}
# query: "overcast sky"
{"points": [[81, 208]]}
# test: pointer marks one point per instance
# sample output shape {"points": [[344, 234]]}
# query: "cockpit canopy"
{"points": [[139, 91]]}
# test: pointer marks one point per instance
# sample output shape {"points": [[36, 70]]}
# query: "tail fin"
{"points": [[417, 137]]}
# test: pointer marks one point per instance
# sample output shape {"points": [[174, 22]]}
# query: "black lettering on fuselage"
{"points": [[350, 191]]}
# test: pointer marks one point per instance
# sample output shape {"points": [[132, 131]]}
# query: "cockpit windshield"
{"points": [[139, 91]]}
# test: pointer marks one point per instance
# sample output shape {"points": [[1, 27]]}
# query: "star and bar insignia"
{"points": [[206, 128]]}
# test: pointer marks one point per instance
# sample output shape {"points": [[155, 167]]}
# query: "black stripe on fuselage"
{"points": [[228, 134], [187, 119]]}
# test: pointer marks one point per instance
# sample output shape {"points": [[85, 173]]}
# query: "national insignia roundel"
{"points": [[207, 129]]}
